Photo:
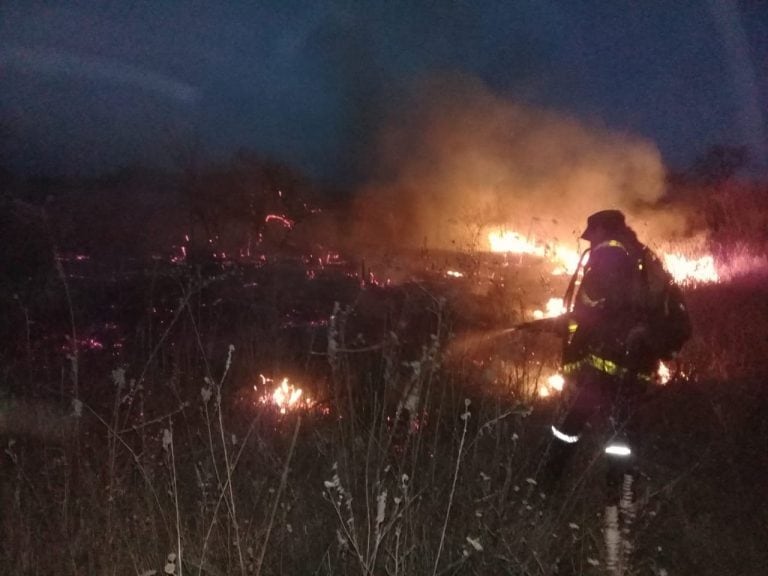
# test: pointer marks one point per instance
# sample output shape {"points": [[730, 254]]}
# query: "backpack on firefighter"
{"points": [[656, 293], [669, 323]]}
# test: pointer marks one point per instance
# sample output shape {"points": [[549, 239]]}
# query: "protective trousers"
{"points": [[594, 392]]}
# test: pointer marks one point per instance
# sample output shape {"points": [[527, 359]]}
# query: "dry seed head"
{"points": [[118, 377], [381, 507], [475, 543]]}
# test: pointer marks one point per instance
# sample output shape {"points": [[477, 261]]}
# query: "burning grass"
{"points": [[689, 262], [305, 414]]}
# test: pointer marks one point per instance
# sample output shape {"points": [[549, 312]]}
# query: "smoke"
{"points": [[460, 159]]}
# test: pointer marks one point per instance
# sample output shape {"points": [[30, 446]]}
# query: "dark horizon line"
{"points": [[12, 172]]}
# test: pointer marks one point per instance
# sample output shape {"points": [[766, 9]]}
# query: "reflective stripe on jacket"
{"points": [[605, 309]]}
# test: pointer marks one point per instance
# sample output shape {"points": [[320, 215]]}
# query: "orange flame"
{"points": [[663, 373], [566, 259], [553, 385], [505, 241], [285, 396], [686, 270], [691, 270], [512, 242], [554, 308], [556, 382]]}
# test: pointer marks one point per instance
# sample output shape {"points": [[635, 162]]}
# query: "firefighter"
{"points": [[607, 356]]}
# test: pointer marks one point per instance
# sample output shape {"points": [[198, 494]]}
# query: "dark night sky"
{"points": [[88, 86]]}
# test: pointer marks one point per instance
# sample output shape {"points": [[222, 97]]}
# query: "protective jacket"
{"points": [[608, 317]]}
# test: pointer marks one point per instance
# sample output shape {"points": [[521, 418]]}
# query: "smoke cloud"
{"points": [[460, 159]]}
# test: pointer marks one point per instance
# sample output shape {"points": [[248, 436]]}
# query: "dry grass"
{"points": [[412, 463]]}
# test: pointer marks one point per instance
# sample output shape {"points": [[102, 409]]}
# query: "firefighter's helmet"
{"points": [[608, 220]]}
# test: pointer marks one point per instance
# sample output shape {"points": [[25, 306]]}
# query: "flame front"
{"points": [[693, 269], [505, 241], [512, 242]]}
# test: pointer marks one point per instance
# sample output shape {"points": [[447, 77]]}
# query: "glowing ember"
{"points": [[83, 344], [554, 307], [663, 373], [73, 257], [691, 271], [285, 396], [287, 222], [333, 258]]}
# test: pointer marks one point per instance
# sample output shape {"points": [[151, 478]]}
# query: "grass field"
{"points": [[145, 448], [140, 435]]}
